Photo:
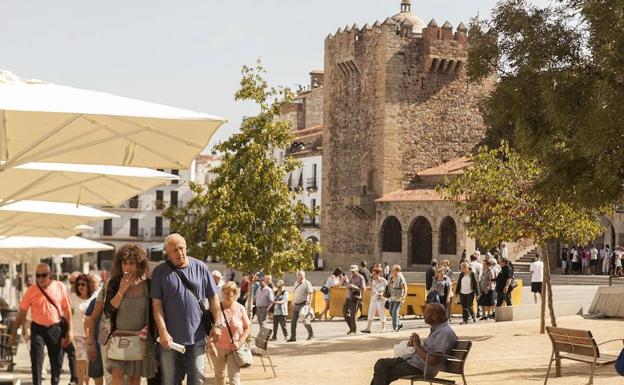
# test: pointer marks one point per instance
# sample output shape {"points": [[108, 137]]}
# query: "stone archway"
{"points": [[391, 240], [448, 236], [421, 233]]}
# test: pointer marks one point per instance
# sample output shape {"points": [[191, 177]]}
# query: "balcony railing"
{"points": [[311, 222], [312, 184], [159, 232], [159, 205], [134, 204], [138, 234]]}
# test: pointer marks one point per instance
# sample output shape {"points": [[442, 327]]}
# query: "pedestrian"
{"points": [[386, 271], [424, 361], [333, 280], [180, 289], [356, 284], [264, 299], [606, 261], [51, 325], [430, 274], [537, 276], [231, 275], [618, 262], [235, 333], [244, 289], [70, 350], [96, 365], [302, 299], [377, 300], [398, 293], [585, 261], [575, 260], [564, 260], [468, 289], [364, 272], [504, 283], [441, 291], [504, 252], [593, 259], [84, 287], [477, 267], [486, 289], [280, 309], [218, 280]]}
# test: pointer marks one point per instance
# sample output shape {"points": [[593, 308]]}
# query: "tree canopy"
{"points": [[247, 217], [560, 92]]}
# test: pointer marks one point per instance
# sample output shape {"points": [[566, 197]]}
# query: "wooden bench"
{"points": [[576, 345], [455, 363]]}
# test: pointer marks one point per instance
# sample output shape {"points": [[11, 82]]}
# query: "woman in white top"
{"points": [[468, 288], [377, 300], [332, 281], [84, 288]]}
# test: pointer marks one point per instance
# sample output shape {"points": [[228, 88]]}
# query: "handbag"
{"points": [[325, 290], [64, 326], [207, 317], [242, 355], [386, 292], [126, 346]]}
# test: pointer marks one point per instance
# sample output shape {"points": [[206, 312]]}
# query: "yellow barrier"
{"points": [[516, 298]]}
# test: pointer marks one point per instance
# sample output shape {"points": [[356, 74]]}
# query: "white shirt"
{"points": [[466, 285], [79, 307], [504, 253], [477, 267], [574, 255], [593, 252], [537, 268]]}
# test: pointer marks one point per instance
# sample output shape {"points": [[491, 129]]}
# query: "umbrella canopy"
{"points": [[51, 123], [52, 215], [30, 231], [31, 249], [77, 183]]}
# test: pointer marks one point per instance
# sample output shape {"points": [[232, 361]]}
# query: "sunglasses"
{"points": [[81, 284], [42, 275]]}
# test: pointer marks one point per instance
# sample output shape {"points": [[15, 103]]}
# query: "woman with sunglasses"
{"points": [[84, 288]]}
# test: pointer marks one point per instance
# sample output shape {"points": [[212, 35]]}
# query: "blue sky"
{"points": [[188, 53]]}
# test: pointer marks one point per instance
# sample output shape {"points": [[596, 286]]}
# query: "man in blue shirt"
{"points": [[178, 314]]}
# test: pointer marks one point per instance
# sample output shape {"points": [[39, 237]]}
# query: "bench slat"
{"points": [[569, 332], [452, 366], [574, 340]]}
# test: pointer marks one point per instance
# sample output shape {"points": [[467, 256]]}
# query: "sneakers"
{"points": [[399, 327], [291, 340], [367, 331]]}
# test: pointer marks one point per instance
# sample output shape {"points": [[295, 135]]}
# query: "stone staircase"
{"points": [[522, 264]]}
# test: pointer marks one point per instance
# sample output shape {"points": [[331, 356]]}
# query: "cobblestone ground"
{"points": [[507, 353]]}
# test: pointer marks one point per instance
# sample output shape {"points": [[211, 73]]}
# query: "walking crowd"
{"points": [[584, 260]]}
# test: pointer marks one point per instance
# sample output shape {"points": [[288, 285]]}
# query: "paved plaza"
{"points": [[503, 353]]}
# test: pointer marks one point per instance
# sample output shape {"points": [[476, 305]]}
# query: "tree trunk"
{"points": [[547, 284], [543, 295]]}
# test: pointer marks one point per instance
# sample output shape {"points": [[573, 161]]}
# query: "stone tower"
{"points": [[396, 101]]}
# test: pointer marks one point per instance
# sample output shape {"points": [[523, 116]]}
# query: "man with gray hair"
{"points": [[218, 279], [179, 290], [302, 298]]}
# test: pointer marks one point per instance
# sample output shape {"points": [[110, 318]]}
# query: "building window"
{"points": [[133, 202], [391, 235], [448, 236], [160, 198], [134, 227], [108, 227], [421, 241], [158, 227], [175, 172], [173, 198]]}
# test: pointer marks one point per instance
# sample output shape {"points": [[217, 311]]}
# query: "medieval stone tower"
{"points": [[396, 101]]}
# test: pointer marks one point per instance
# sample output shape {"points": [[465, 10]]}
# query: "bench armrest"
{"points": [[606, 342]]}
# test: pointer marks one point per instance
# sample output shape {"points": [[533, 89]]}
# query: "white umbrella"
{"points": [[77, 183], [31, 249], [51, 123], [30, 231], [53, 215]]}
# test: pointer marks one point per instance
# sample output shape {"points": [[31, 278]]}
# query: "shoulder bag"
{"points": [[126, 345], [207, 317], [64, 325], [242, 355]]}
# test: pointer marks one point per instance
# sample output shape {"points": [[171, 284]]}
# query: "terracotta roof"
{"points": [[454, 167], [415, 195], [306, 133]]}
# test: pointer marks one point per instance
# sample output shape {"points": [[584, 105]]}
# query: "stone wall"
{"points": [[389, 112]]}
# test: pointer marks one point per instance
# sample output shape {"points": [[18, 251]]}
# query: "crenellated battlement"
{"points": [[444, 50]]}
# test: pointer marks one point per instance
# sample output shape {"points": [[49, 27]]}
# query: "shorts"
{"points": [[536, 287], [593, 262], [585, 262]]}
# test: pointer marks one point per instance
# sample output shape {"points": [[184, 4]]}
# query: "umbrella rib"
{"points": [[129, 185], [66, 186], [49, 134], [188, 142], [4, 139], [29, 186]]}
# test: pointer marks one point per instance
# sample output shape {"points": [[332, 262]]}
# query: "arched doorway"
{"points": [[448, 236], [391, 240], [422, 239]]}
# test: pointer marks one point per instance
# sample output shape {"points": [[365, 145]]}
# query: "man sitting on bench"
{"points": [[441, 340]]}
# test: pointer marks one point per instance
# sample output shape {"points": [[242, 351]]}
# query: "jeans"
{"points": [[394, 313], [467, 301], [50, 337], [504, 297], [281, 320], [349, 311], [174, 365], [388, 370]]}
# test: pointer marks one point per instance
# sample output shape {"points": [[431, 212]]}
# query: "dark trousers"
{"points": [[504, 297], [349, 311], [71, 358], [295, 318], [467, 301], [388, 370], [281, 320], [50, 337]]}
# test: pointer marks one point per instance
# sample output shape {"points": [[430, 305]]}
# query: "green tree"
{"points": [[560, 92], [497, 193], [247, 217]]}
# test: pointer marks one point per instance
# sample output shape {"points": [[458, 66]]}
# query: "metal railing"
{"points": [[159, 232], [311, 184], [134, 204]]}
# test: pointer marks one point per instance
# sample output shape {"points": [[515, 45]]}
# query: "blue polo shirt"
{"points": [[182, 313]]}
